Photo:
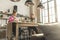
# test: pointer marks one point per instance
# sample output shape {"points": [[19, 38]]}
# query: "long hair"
{"points": [[14, 12]]}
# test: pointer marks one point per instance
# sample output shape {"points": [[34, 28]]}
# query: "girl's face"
{"points": [[15, 14]]}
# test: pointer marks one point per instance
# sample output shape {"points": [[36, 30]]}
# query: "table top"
{"points": [[25, 24], [29, 24]]}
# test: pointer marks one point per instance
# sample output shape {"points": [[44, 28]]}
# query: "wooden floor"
{"points": [[3, 39], [52, 32]]}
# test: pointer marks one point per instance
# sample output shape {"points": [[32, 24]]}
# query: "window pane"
{"points": [[51, 11], [58, 2], [52, 18], [58, 12], [45, 19], [51, 4], [45, 13], [50, 0], [44, 1], [58, 9], [41, 16], [45, 6]]}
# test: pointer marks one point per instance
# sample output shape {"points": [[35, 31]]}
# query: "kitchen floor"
{"points": [[3, 39], [52, 32]]}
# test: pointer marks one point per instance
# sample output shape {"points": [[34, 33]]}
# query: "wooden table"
{"points": [[18, 24]]}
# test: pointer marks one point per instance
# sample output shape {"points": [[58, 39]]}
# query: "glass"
{"points": [[51, 4], [49, 0], [58, 13], [41, 16], [58, 2], [45, 13], [45, 6], [41, 19], [45, 19], [52, 18], [44, 1], [51, 11]]}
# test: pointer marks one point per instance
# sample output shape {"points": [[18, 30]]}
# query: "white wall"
{"points": [[7, 4]]}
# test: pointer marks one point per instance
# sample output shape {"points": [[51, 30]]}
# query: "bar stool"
{"points": [[38, 37], [24, 34]]}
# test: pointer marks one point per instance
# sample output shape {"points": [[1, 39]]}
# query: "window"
{"points": [[48, 13], [58, 9], [43, 1]]}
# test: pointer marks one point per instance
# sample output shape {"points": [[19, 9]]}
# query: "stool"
{"points": [[38, 37], [24, 34]]}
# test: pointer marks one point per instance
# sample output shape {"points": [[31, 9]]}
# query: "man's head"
{"points": [[14, 13]]}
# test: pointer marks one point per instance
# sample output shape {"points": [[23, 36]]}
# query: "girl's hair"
{"points": [[14, 12]]}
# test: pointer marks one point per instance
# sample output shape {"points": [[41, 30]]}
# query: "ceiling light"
{"points": [[29, 3]]}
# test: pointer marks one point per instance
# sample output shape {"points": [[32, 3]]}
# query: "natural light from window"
{"points": [[51, 12]]}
